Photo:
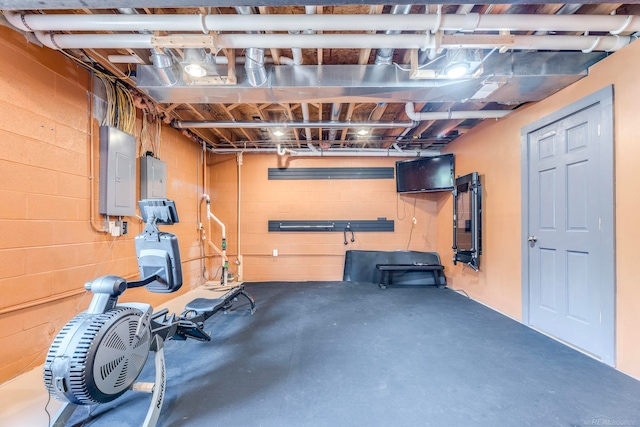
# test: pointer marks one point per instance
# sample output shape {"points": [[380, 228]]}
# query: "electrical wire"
{"points": [[121, 111], [398, 66], [404, 208], [46, 408], [415, 200]]}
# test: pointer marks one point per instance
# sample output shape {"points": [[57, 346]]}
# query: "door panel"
{"points": [[565, 292]]}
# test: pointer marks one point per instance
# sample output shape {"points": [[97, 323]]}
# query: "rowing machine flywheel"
{"points": [[95, 358]]}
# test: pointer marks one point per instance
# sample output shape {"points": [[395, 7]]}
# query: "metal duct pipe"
{"points": [[335, 115], [254, 62], [168, 71], [336, 41], [385, 56], [293, 125], [453, 115], [241, 23]]}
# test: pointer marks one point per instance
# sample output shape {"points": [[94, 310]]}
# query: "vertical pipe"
{"points": [[335, 114], [385, 56], [254, 62], [240, 260]]}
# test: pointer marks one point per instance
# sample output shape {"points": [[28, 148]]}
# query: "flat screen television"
{"points": [[425, 174]]}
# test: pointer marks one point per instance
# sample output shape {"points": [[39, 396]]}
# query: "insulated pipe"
{"points": [[334, 152], [336, 41], [453, 115], [385, 56], [412, 22], [295, 125]]}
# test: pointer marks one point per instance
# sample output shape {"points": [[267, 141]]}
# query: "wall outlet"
{"points": [[275, 252]]}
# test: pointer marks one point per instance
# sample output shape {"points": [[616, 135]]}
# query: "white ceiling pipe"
{"points": [[94, 41], [453, 115], [291, 125], [337, 152], [335, 41], [417, 41], [334, 152], [300, 22]]}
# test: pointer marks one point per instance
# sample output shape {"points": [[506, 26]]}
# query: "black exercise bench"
{"points": [[388, 270]]}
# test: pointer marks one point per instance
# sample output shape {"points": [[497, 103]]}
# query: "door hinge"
{"points": [[599, 130]]}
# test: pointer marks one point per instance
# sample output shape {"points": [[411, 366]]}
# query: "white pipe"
{"points": [[284, 22], [223, 252], [208, 124], [239, 161], [335, 41], [453, 115], [337, 152]]}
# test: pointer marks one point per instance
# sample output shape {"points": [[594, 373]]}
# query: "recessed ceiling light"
{"points": [[456, 70], [195, 70]]}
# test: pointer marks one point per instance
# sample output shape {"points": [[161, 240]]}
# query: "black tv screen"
{"points": [[425, 174]]}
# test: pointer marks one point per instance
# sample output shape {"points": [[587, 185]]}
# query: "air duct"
{"points": [[168, 71], [254, 64], [385, 56], [335, 115]]}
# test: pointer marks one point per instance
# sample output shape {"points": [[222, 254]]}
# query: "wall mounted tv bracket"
{"points": [[99, 354], [467, 220]]}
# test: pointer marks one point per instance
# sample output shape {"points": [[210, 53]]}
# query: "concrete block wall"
{"points": [[48, 247], [313, 255]]}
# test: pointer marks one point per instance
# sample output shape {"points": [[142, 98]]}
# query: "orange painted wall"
{"points": [[312, 256], [48, 249], [493, 150]]}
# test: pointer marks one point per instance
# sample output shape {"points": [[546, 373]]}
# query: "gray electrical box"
{"points": [[153, 178], [117, 172]]}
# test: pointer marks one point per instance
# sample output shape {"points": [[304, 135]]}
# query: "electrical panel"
{"points": [[153, 178], [117, 172]]}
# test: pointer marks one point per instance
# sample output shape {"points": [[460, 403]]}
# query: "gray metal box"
{"points": [[153, 178], [117, 172]]}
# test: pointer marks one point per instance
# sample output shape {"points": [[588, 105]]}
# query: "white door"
{"points": [[570, 230]]}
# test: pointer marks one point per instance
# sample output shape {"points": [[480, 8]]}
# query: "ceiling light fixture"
{"points": [[197, 63], [456, 70], [278, 132], [363, 132]]}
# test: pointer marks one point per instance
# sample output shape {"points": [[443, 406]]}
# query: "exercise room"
{"points": [[324, 214]]}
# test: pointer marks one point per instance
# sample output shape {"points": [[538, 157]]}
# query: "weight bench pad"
{"points": [[204, 305]]}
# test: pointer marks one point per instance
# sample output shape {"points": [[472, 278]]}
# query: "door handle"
{"points": [[532, 239]]}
